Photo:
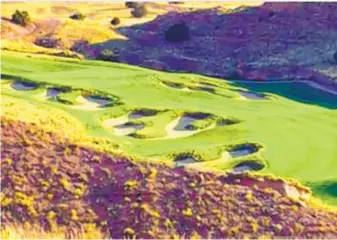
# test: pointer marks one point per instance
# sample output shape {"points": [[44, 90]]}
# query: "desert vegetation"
{"points": [[78, 185], [77, 16], [107, 55], [177, 33], [115, 21], [21, 17]]}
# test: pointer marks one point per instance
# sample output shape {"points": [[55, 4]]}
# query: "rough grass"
{"points": [[28, 231], [51, 182], [294, 134]]}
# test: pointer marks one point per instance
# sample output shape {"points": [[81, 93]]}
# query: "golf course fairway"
{"points": [[288, 128]]}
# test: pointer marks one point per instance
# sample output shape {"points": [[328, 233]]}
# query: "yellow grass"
{"points": [[96, 26], [28, 231]]}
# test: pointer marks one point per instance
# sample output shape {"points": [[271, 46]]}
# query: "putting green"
{"points": [[293, 127]]}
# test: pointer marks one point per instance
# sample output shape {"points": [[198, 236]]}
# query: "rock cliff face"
{"points": [[277, 41]]}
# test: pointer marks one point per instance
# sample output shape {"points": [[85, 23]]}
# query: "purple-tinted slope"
{"points": [[274, 41]]}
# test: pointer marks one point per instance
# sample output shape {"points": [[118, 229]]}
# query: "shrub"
{"points": [[177, 33], [107, 55], [77, 16], [134, 4], [139, 12], [47, 42], [115, 21], [21, 18]]}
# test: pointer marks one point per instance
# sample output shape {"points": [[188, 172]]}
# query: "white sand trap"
{"points": [[135, 116], [251, 95], [142, 113], [177, 128], [50, 93], [85, 104], [101, 101], [208, 164], [242, 151], [121, 125], [116, 121], [53, 92], [184, 161], [247, 166], [23, 86], [126, 129]]}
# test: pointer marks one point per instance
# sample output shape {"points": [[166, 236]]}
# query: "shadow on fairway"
{"points": [[296, 91]]}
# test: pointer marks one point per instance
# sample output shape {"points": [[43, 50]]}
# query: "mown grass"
{"points": [[298, 137]]}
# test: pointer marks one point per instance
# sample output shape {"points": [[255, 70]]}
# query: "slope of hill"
{"points": [[50, 181], [275, 41]]}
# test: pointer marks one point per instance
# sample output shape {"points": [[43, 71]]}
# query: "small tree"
{"points": [[77, 16], [115, 21], [134, 4], [177, 33], [139, 12], [21, 18]]}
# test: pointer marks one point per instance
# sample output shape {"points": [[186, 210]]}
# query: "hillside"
{"points": [[275, 41], [49, 180]]}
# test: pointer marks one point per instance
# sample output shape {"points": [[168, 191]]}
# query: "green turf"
{"points": [[296, 125]]}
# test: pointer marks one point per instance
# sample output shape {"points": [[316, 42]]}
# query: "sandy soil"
{"points": [[176, 128], [124, 130], [85, 104], [23, 86]]}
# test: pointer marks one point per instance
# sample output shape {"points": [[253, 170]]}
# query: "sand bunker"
{"points": [[24, 86], [140, 113], [86, 104], [116, 121], [243, 150], [178, 128], [101, 101], [251, 95], [53, 92], [247, 166], [182, 161], [122, 126], [127, 128]]}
